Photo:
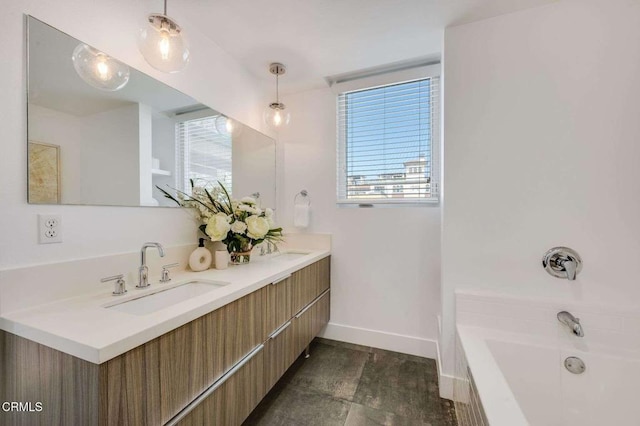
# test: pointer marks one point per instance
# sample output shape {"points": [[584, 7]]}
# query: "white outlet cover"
{"points": [[49, 228]]}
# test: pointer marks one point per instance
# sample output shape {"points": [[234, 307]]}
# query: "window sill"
{"points": [[387, 203]]}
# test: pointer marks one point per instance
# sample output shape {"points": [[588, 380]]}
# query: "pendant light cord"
{"points": [[165, 7], [277, 89]]}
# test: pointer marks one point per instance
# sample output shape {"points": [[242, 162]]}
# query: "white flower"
{"points": [[238, 227], [249, 200], [245, 208], [257, 227], [204, 212], [218, 227], [268, 214]]}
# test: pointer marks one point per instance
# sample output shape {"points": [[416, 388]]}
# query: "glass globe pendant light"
{"points": [[161, 41], [275, 114], [98, 69]]}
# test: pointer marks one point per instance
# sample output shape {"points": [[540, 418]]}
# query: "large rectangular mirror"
{"points": [[88, 145]]}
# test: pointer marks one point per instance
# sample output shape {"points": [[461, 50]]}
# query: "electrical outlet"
{"points": [[49, 228]]}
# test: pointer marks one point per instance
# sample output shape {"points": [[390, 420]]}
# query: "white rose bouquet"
{"points": [[238, 224]]}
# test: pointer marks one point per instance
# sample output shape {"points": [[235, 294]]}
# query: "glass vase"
{"points": [[240, 257]]}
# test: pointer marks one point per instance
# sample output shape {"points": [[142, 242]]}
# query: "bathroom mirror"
{"points": [[91, 146]]}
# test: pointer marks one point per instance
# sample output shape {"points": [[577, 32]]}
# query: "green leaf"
{"points": [[169, 196], [227, 195]]}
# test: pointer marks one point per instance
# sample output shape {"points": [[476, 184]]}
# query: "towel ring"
{"points": [[302, 196]]}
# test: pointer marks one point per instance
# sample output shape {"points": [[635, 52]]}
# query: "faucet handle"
{"points": [[119, 286], [562, 262], [570, 266], [165, 272]]}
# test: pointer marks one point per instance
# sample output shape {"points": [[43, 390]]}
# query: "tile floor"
{"points": [[350, 385]]}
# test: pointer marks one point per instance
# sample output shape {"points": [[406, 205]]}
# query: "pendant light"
{"points": [[275, 114], [162, 43], [99, 69]]}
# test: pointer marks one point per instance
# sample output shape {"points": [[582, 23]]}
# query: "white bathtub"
{"points": [[510, 364]]}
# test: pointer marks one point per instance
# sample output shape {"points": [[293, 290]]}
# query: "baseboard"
{"points": [[445, 386], [411, 345], [445, 381]]}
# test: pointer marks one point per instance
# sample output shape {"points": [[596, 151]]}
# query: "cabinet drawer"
{"points": [[309, 282], [279, 354], [175, 368], [308, 323], [279, 303], [232, 402], [244, 327]]}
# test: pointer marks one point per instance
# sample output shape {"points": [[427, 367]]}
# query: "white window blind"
{"points": [[387, 141], [202, 153]]}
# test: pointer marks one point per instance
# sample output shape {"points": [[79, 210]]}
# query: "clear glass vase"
{"points": [[240, 257]]}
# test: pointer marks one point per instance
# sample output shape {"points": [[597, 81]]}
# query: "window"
{"points": [[387, 138], [202, 153]]}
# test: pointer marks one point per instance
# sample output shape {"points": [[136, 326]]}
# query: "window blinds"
{"points": [[202, 153], [386, 140]]}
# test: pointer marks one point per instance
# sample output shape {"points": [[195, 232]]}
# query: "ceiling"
{"points": [[320, 38]]}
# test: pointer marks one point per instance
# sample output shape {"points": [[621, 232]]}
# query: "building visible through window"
{"points": [[386, 143]]}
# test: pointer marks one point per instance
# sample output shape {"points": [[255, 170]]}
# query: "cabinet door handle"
{"points": [[279, 280], [306, 308], [280, 330], [211, 389]]}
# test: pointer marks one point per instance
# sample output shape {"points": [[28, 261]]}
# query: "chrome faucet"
{"points": [[143, 271], [562, 262], [571, 268], [268, 247], [572, 322]]}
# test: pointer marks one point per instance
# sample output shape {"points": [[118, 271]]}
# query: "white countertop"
{"points": [[84, 328]]}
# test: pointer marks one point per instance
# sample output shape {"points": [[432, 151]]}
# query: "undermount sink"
{"points": [[163, 298], [289, 255]]}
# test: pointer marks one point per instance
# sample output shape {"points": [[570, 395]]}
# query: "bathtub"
{"points": [[510, 369]]}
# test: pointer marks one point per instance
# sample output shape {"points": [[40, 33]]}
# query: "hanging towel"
{"points": [[301, 215]]}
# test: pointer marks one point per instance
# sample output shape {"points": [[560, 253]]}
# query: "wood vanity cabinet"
{"points": [[152, 383], [310, 282], [219, 365]]}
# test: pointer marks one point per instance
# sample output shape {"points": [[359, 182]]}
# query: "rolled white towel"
{"points": [[301, 215]]}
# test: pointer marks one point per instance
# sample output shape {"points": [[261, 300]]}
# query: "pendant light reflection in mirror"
{"points": [[162, 43], [276, 114], [227, 126], [98, 69]]}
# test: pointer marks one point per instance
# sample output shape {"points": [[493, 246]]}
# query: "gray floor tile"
{"points": [[331, 370], [404, 387], [369, 349], [296, 406], [359, 415], [344, 384]]}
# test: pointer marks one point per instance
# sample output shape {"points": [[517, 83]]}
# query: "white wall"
{"points": [[253, 166], [110, 157], [385, 265], [164, 149], [212, 77], [542, 149], [68, 132]]}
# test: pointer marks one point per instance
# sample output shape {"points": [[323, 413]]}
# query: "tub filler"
{"points": [[513, 362]]}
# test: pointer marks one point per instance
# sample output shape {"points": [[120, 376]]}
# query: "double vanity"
{"points": [[190, 348], [203, 348]]}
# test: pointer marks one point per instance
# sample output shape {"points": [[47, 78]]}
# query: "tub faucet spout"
{"points": [[572, 322]]}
